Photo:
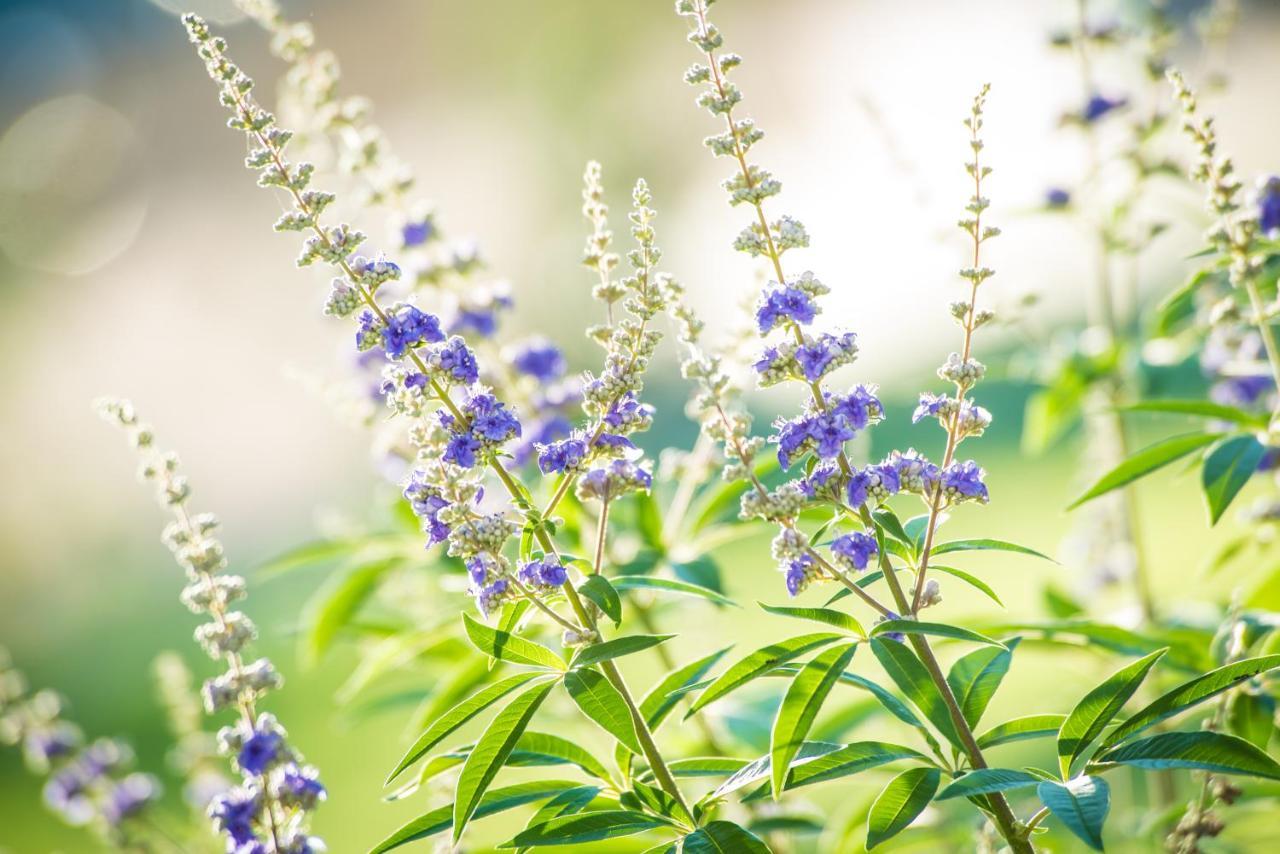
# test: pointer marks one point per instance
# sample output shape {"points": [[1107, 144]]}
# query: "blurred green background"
{"points": [[136, 258]]}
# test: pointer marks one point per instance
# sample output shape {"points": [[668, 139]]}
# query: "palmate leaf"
{"points": [[1081, 805], [942, 630], [505, 646], [1189, 694], [910, 675], [586, 827], [975, 677], [984, 781], [1147, 460], [1021, 729], [491, 752], [844, 761], [1204, 751], [1092, 714], [601, 702], [1227, 468], [616, 648], [838, 619], [497, 800], [800, 706], [598, 589], [722, 837], [671, 585], [458, 716], [761, 662], [900, 803]]}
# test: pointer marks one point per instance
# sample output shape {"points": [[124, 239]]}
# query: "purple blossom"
{"points": [[820, 480], [873, 481], [1099, 105], [407, 326], [855, 549], [234, 812], [482, 322], [128, 797], [260, 751], [427, 501], [461, 450], [565, 455], [613, 480], [1269, 206], [493, 595], [627, 412], [930, 406], [785, 304], [1056, 197], [799, 573], [67, 793], [490, 418], [814, 358], [964, 480], [300, 788], [417, 232], [541, 360], [915, 472], [542, 432], [457, 361], [547, 572], [859, 407]]}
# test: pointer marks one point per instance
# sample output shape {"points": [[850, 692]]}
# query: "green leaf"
{"points": [[497, 800], [1189, 694], [1092, 714], [1204, 408], [759, 769], [986, 544], [307, 554], [701, 572], [1081, 805], [888, 522], [1021, 729], [670, 585], [1146, 461], [902, 800], [616, 648], [600, 701], [459, 715], [722, 837], [984, 781], [1204, 751], [911, 676], [491, 752], [801, 705], [598, 589], [942, 630], [1227, 468], [844, 761], [543, 748], [649, 520], [706, 766], [658, 703], [569, 802], [337, 602], [717, 502], [969, 579], [1252, 717], [975, 677], [505, 646], [831, 617], [586, 827], [761, 662]]}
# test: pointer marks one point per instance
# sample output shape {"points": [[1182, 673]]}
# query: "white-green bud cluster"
{"points": [[779, 505]]}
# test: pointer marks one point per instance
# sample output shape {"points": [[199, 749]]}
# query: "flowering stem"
{"points": [[602, 527]]}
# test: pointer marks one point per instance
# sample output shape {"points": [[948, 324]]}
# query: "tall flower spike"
{"points": [[86, 785], [269, 808]]}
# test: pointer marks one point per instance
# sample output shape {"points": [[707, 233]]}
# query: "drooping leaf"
{"points": [[760, 662], [985, 544], [586, 827], [701, 572], [942, 630], [1080, 804], [568, 802], [910, 675], [611, 649], [723, 837], [984, 781], [1203, 408], [491, 752], [1191, 693], [505, 646], [1227, 468], [759, 769], [975, 677], [658, 703], [970, 579], [1021, 729], [800, 706], [671, 585], [901, 801], [1096, 709], [544, 748], [337, 602], [497, 800], [457, 716], [600, 701], [844, 761], [1147, 460], [1204, 751], [831, 617], [598, 589]]}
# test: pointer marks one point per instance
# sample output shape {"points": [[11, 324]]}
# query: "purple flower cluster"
{"points": [[873, 483], [480, 317], [489, 425], [800, 573], [490, 597], [613, 481], [854, 550], [406, 327], [456, 361], [416, 232], [963, 482], [1269, 206], [427, 501], [261, 751], [811, 361], [825, 432], [539, 359], [784, 304], [543, 431], [1057, 198], [628, 415], [1099, 105], [547, 572]]}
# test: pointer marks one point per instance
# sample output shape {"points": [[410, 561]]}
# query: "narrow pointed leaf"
{"points": [[1204, 751], [723, 837], [986, 544], [975, 677], [569, 802], [800, 706], [900, 803], [598, 589], [844, 761], [1146, 461], [543, 748], [1092, 714], [1227, 468], [759, 769], [1202, 408], [491, 752], [658, 703], [831, 617], [671, 585], [586, 827], [505, 646], [984, 781], [761, 662], [338, 600], [1081, 805], [941, 630], [1191, 693], [1021, 729], [910, 675], [616, 648], [459, 715], [600, 701], [706, 766]]}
